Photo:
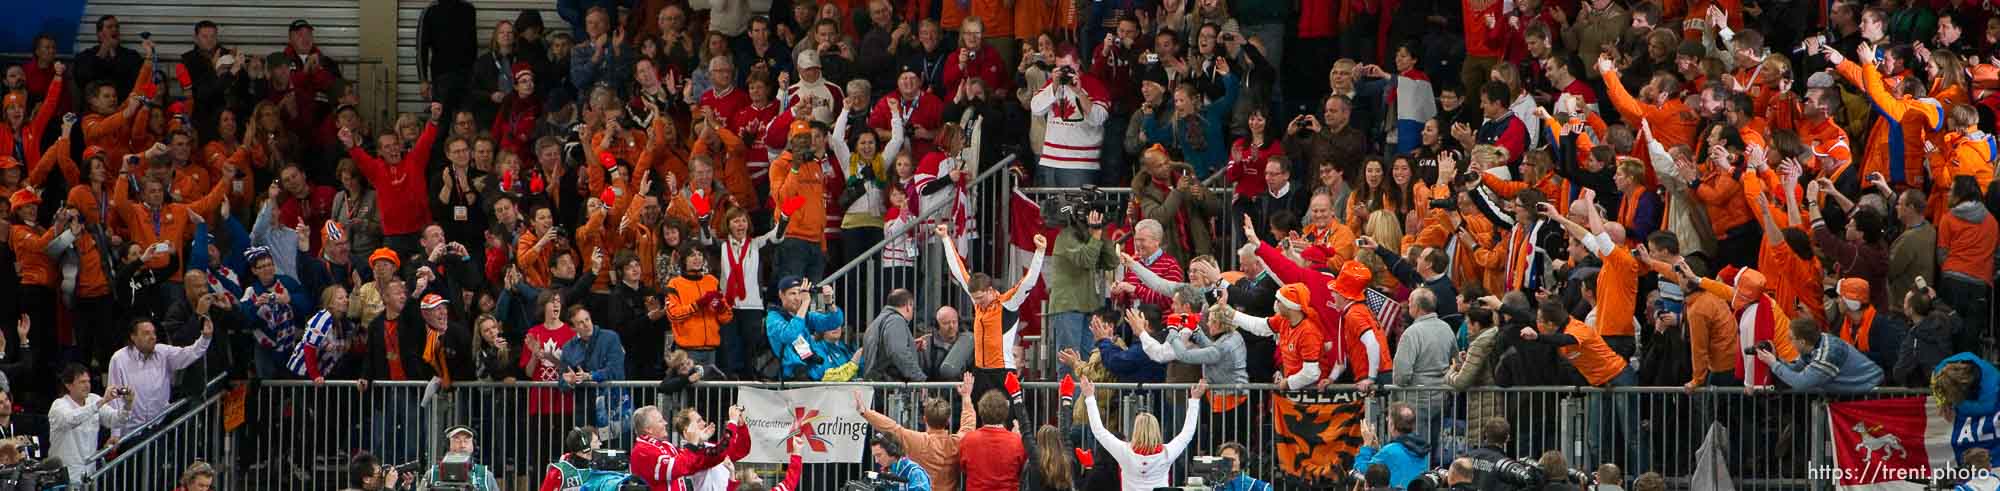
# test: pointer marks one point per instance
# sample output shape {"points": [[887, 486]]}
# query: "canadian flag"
{"points": [[1024, 223], [1901, 443]]}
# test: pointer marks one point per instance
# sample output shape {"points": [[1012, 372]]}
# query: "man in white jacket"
{"points": [[77, 417]]}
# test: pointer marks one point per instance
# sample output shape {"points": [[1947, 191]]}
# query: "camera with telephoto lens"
{"points": [[1072, 208], [1761, 345], [35, 474], [1432, 480], [1065, 75], [1520, 473]]}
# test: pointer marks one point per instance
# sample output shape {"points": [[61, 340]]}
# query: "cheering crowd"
{"points": [[1776, 195]]}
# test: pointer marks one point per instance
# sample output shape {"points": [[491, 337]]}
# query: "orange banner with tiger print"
{"points": [[1318, 436]]}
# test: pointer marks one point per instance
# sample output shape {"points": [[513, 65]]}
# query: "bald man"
{"points": [[945, 352]]}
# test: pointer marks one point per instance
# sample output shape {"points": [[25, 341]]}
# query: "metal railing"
{"points": [[155, 453], [864, 281], [1774, 438]]}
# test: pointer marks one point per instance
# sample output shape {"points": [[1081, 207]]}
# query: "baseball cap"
{"points": [[300, 24], [790, 282], [808, 59], [455, 430], [432, 301]]}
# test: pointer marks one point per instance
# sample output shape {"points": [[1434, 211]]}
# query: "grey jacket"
{"points": [[1422, 356], [890, 349], [1222, 360], [946, 363]]}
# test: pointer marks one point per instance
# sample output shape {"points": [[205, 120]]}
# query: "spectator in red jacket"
{"points": [[991, 455], [659, 462], [514, 126], [399, 180]]}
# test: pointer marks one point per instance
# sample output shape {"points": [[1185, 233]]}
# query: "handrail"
{"points": [[130, 451], [1331, 389], [876, 250], [208, 388]]}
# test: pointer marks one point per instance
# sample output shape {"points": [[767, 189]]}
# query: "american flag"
{"points": [[1388, 312]]}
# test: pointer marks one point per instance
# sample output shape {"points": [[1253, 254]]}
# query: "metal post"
{"points": [[1817, 446]]}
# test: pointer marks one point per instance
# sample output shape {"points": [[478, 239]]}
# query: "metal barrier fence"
{"points": [[158, 452], [301, 433]]}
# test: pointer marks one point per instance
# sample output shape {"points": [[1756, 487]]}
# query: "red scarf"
{"points": [[1763, 328], [734, 256]]}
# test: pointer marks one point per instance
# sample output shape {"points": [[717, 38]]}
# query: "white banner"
{"points": [[834, 431]]}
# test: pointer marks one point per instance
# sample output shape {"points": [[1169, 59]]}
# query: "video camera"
{"points": [[1072, 208], [875, 481], [1204, 473], [35, 474]]}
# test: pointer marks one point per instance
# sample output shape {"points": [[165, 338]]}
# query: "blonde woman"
{"points": [[1146, 461]]}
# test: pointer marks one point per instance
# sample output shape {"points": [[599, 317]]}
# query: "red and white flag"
{"points": [[1888, 444], [1024, 222]]}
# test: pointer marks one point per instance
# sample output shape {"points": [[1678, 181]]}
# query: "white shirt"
{"points": [[1143, 472], [73, 431], [150, 378]]}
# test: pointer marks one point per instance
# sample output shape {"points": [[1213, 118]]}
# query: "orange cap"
{"points": [[384, 254], [1854, 289]]}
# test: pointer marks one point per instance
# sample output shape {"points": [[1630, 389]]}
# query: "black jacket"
{"points": [[447, 36], [1927, 344], [1255, 297], [121, 69]]}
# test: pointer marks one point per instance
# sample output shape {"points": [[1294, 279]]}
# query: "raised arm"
{"points": [[1019, 294], [956, 263]]}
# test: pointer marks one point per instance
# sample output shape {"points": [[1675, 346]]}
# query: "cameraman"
{"points": [[569, 472], [76, 418], [1075, 272], [1075, 107], [462, 442], [896, 467], [366, 473]]}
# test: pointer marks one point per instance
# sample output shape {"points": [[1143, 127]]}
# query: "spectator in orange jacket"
{"points": [[1893, 93], [798, 185], [1966, 237], [694, 302], [1673, 123]]}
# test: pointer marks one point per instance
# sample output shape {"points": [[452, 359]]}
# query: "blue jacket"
{"points": [[1407, 458], [232, 257], [602, 354], [782, 328], [1214, 119], [908, 470], [1243, 482], [1833, 366], [1130, 364], [831, 354], [1987, 400]]}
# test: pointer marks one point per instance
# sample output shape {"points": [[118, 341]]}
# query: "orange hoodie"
{"points": [[803, 180], [1967, 236]]}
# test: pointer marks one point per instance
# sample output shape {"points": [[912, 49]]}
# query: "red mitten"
{"points": [[1083, 457], [1067, 387], [1013, 385], [791, 205]]}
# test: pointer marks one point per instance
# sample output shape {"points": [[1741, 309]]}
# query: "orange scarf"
{"points": [[1858, 337], [434, 354]]}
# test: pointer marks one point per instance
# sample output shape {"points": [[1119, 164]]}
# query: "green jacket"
{"points": [[1075, 269]]}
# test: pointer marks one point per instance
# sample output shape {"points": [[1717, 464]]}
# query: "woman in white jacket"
{"points": [[1144, 463]]}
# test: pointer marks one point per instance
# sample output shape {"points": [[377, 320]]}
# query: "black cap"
{"points": [[300, 24]]}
